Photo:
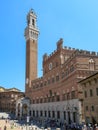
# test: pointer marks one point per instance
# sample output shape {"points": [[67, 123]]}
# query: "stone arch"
{"points": [[24, 109], [91, 64], [18, 108]]}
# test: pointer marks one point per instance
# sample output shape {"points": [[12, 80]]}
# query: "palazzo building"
{"points": [[8, 98], [90, 98], [56, 95]]}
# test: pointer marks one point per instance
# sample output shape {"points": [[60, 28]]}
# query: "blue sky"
{"points": [[76, 21]]}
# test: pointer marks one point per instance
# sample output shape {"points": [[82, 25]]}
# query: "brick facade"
{"points": [[90, 98], [8, 98], [57, 91]]}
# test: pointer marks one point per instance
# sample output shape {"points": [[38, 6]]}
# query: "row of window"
{"points": [[54, 79], [46, 113], [8, 104], [92, 108], [53, 114], [90, 83], [56, 98], [8, 96], [90, 93]]}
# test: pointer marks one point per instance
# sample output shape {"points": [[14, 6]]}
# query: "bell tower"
{"points": [[31, 36]]}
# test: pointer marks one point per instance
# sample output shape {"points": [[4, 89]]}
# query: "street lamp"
{"points": [[28, 118]]}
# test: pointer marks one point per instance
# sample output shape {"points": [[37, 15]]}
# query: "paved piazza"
{"points": [[13, 125], [9, 125]]}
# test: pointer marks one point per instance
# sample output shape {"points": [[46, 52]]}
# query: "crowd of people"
{"points": [[46, 124]]}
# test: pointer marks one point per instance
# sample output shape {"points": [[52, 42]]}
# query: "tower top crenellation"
{"points": [[32, 11], [31, 31], [60, 44], [77, 51], [32, 14]]}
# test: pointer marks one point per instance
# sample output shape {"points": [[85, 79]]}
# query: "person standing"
{"points": [[5, 128]]}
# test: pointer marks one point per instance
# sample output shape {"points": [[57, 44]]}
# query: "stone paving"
{"points": [[12, 125], [8, 125]]}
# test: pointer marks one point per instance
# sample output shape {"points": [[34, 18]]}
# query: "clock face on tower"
{"points": [[50, 66]]}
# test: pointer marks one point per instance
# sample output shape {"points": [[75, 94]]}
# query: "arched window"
{"points": [[33, 22], [91, 64]]}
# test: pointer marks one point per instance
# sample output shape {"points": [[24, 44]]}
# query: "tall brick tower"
{"points": [[31, 36]]}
